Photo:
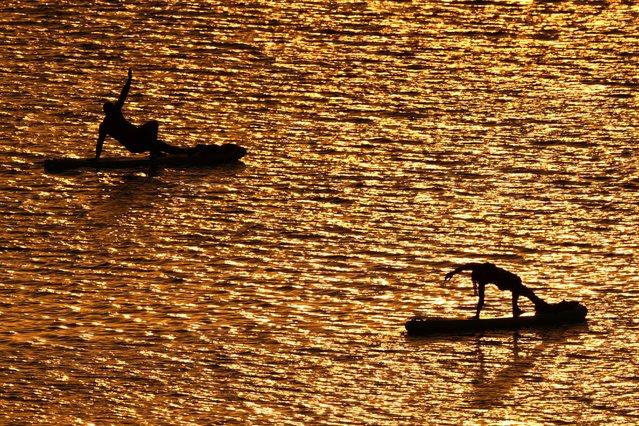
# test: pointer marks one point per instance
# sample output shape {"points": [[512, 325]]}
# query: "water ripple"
{"points": [[388, 141]]}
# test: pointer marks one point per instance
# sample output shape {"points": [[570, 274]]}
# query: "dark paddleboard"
{"points": [[565, 313], [212, 155]]}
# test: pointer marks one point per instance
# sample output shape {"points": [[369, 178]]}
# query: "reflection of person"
{"points": [[487, 273], [136, 139]]}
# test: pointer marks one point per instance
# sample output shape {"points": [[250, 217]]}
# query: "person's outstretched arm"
{"points": [[466, 267], [480, 301], [125, 91]]}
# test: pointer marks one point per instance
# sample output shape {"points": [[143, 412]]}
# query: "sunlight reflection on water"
{"points": [[387, 142]]}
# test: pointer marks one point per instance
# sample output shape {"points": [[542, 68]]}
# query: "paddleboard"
{"points": [[227, 153], [573, 313]]}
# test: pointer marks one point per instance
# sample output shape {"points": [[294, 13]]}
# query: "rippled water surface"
{"points": [[388, 142]]}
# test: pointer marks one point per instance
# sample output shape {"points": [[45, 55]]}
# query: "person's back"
{"points": [[116, 126], [503, 279]]}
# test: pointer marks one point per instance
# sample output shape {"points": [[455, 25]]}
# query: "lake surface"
{"points": [[389, 141]]}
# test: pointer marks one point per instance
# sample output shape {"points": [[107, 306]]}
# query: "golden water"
{"points": [[388, 142]]}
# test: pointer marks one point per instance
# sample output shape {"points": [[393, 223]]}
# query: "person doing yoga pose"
{"points": [[488, 273]]}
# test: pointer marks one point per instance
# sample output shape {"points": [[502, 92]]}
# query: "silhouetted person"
{"points": [[137, 139], [487, 273]]}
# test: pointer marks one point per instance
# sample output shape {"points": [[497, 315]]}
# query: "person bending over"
{"points": [[487, 273]]}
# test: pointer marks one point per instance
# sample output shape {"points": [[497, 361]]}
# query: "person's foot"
{"points": [[542, 307]]}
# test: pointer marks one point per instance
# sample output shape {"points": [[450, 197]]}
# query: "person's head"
{"points": [[108, 107]]}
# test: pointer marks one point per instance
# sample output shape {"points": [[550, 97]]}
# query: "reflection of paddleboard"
{"points": [[227, 153], [569, 312]]}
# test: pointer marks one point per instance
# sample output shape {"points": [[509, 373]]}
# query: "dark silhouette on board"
{"points": [[488, 273], [137, 139], [546, 314]]}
